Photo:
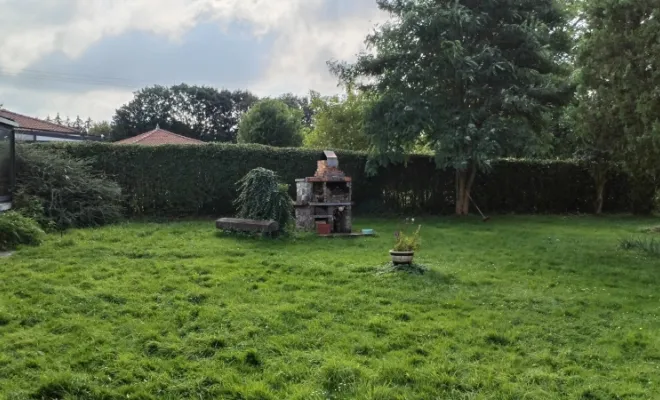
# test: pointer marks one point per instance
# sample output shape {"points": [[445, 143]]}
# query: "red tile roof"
{"points": [[32, 124], [159, 137]]}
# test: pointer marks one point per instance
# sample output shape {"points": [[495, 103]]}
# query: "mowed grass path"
{"points": [[517, 308]]}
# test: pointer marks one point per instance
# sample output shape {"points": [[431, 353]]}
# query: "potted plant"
{"points": [[405, 246]]}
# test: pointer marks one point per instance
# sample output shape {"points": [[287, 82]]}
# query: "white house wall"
{"points": [[31, 138]]}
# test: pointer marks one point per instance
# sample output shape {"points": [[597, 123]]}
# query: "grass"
{"points": [[517, 308], [651, 229], [649, 245]]}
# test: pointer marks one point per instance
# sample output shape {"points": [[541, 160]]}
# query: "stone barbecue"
{"points": [[324, 198]]}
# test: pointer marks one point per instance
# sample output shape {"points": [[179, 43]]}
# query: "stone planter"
{"points": [[402, 257]]}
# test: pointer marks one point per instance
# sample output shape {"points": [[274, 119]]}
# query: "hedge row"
{"points": [[200, 180]]}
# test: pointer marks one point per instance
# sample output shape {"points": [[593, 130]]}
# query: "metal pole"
{"points": [[12, 147]]}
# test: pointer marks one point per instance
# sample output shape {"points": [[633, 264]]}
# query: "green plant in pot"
{"points": [[405, 245]]}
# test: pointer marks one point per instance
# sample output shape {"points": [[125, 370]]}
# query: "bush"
{"points": [[16, 229], [261, 197], [173, 181], [62, 192], [271, 122]]}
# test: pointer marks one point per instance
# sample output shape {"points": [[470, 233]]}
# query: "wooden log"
{"points": [[247, 225]]}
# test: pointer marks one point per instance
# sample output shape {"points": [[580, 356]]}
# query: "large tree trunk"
{"points": [[599, 173], [464, 181]]}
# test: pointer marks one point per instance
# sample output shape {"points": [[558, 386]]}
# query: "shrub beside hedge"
{"points": [[261, 197], [15, 230], [61, 192], [200, 180]]}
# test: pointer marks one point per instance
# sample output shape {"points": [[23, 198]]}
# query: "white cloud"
{"points": [[305, 47], [96, 104], [24, 43], [33, 29]]}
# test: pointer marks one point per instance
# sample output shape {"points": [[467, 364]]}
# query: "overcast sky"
{"points": [[86, 57]]}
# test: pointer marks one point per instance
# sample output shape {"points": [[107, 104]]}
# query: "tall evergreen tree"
{"points": [[88, 124], [475, 77], [78, 123]]}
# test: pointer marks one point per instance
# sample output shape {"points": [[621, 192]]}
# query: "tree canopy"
{"points": [[339, 121], [200, 112], [474, 77], [301, 103], [103, 129], [619, 74], [271, 122]]}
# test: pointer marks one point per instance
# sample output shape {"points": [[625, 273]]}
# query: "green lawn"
{"points": [[517, 308]]}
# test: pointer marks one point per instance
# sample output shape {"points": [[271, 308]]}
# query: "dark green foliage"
{"points": [[339, 122], [16, 229], [32, 207], [300, 103], [649, 245], [642, 192], [600, 137], [476, 79], [261, 197], [619, 79], [68, 191], [103, 129], [271, 122], [200, 112], [199, 180]]}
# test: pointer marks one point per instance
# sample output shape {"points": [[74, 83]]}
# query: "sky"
{"points": [[87, 57]]}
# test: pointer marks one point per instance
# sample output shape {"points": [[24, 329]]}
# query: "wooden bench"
{"points": [[247, 225]]}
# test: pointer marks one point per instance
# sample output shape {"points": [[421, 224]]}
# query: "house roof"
{"points": [[26, 123], [10, 122], [159, 137]]}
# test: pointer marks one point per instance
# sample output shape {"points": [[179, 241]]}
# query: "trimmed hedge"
{"points": [[201, 180]]}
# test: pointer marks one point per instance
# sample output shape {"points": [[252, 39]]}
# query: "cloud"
{"points": [[25, 41], [303, 49], [97, 104], [301, 36]]}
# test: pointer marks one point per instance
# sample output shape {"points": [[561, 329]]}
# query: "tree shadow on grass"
{"points": [[252, 236], [417, 269]]}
